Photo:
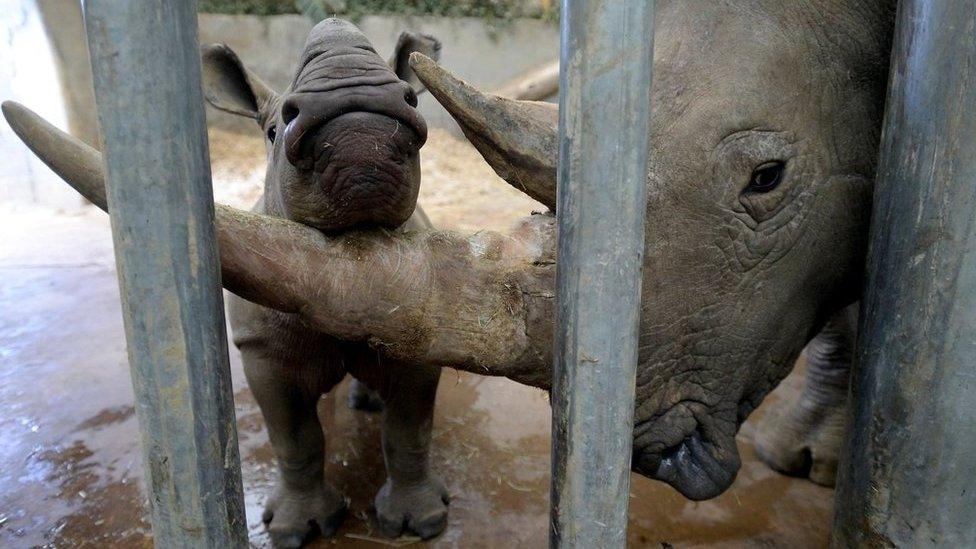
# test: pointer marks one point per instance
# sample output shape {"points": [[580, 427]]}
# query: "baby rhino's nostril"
{"points": [[298, 125], [289, 111]]}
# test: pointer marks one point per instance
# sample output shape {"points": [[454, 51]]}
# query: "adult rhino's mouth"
{"points": [[686, 459], [689, 467]]}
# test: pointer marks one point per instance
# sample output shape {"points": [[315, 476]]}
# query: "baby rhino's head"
{"points": [[343, 139]]}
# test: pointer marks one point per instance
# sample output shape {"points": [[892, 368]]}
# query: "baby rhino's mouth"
{"points": [[361, 171]]}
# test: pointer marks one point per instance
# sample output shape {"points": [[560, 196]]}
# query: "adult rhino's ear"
{"points": [[229, 86], [408, 43]]}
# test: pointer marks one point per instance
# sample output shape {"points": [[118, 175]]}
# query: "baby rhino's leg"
{"points": [[302, 499], [412, 500]]}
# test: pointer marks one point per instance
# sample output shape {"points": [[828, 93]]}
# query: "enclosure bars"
{"points": [[604, 119], [908, 478], [146, 66]]}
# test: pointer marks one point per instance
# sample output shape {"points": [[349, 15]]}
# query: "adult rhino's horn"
{"points": [[253, 248], [66, 155], [519, 139], [398, 291]]}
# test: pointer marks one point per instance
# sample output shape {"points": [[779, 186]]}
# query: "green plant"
{"points": [[253, 7], [492, 10], [354, 9]]}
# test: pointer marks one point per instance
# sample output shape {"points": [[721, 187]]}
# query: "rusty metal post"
{"points": [[146, 67], [604, 90], [908, 477]]}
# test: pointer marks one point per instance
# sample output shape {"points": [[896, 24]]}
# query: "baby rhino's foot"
{"points": [[295, 516], [420, 509]]}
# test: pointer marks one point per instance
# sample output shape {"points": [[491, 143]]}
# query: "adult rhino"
{"points": [[766, 124]]}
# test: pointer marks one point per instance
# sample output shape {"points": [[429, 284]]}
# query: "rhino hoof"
{"points": [[800, 441], [419, 510], [295, 518]]}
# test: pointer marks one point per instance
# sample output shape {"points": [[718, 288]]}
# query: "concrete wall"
{"points": [[29, 72], [484, 56]]}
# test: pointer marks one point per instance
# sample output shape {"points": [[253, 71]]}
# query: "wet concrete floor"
{"points": [[70, 467]]}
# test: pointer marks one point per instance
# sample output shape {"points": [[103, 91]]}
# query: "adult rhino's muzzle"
{"points": [[689, 467], [697, 459]]}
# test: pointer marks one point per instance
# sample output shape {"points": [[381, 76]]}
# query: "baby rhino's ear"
{"points": [[230, 87], [408, 43]]}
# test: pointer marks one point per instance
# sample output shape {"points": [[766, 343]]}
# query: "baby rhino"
{"points": [[343, 144]]}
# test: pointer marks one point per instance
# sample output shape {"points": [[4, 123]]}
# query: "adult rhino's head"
{"points": [[343, 139], [766, 120], [765, 128]]}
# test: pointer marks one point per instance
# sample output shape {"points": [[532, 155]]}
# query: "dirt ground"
{"points": [[70, 466]]}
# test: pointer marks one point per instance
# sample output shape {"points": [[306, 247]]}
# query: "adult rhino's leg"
{"points": [[412, 499], [803, 436]]}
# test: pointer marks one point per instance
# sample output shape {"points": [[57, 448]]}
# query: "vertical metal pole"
{"points": [[604, 119], [146, 66], [908, 478]]}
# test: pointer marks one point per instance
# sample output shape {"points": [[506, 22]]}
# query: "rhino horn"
{"points": [[82, 167], [519, 139], [480, 303], [66, 155]]}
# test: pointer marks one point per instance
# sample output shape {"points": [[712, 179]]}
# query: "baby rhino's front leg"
{"points": [[302, 500], [412, 500]]}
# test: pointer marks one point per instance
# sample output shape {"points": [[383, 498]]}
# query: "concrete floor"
{"points": [[70, 467]]}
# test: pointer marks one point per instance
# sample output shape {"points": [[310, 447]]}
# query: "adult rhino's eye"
{"points": [[766, 177], [272, 132]]}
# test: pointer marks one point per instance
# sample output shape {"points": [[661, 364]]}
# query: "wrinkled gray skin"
{"points": [[343, 144], [737, 281], [738, 277]]}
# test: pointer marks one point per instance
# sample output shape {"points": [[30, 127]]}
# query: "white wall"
{"points": [[484, 56]]}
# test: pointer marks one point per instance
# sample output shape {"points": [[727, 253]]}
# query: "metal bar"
{"points": [[146, 66], [604, 120], [908, 478]]}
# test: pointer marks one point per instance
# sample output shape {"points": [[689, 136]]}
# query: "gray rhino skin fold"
{"points": [[766, 124]]}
